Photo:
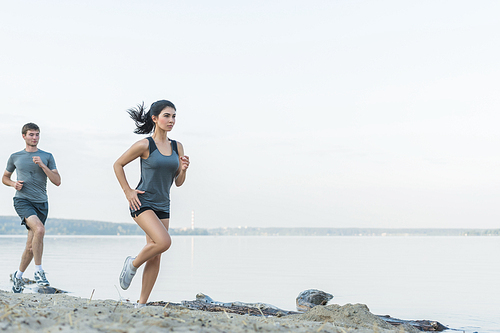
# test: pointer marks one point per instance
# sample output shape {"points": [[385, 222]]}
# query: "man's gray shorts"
{"points": [[26, 208]]}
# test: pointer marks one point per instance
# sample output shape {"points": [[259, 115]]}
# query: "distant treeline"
{"points": [[10, 225]]}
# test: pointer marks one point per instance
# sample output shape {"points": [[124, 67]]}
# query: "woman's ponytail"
{"points": [[143, 122]]}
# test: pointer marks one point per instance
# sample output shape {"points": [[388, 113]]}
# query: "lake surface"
{"points": [[454, 280]]}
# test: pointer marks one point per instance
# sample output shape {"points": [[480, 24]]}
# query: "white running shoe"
{"points": [[40, 279], [18, 284], [127, 273]]}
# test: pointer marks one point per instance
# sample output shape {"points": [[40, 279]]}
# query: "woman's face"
{"points": [[166, 119]]}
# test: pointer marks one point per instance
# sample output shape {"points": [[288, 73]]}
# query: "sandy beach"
{"points": [[63, 313]]}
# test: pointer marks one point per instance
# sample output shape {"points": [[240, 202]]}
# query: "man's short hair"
{"points": [[30, 126]]}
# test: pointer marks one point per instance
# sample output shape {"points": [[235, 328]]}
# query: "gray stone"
{"points": [[308, 299]]}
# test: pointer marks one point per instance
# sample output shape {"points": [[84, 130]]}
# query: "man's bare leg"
{"points": [[38, 229], [28, 253]]}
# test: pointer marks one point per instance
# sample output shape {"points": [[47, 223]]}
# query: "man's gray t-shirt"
{"points": [[35, 180]]}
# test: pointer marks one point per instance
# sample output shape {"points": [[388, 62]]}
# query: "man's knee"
{"points": [[40, 231], [35, 225]]}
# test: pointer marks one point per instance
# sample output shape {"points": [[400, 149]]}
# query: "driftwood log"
{"points": [[423, 325], [33, 287], [256, 309], [238, 309], [206, 303]]}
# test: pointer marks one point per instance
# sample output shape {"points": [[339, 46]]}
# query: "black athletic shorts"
{"points": [[161, 215], [26, 208]]}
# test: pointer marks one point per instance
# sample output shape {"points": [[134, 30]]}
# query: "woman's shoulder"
{"points": [[141, 145], [143, 142], [178, 147], [177, 142]]}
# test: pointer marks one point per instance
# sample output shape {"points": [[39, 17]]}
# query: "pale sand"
{"points": [[63, 313]]}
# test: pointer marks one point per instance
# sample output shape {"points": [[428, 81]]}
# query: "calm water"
{"points": [[454, 280]]}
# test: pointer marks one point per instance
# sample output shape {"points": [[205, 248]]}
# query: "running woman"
{"points": [[162, 162], [33, 166]]}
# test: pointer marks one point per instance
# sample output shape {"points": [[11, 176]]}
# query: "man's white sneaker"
{"points": [[18, 284], [40, 279]]}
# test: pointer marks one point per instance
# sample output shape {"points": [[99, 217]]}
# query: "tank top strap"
{"points": [[152, 145], [174, 146]]}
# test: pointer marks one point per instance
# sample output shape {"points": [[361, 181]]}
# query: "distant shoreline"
{"points": [[9, 225]]}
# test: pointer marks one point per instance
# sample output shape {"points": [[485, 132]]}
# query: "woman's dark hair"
{"points": [[143, 120]]}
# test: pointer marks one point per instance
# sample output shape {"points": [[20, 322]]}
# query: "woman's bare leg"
{"points": [[159, 241], [156, 230], [151, 270]]}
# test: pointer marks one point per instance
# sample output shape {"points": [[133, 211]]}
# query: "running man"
{"points": [[33, 166]]}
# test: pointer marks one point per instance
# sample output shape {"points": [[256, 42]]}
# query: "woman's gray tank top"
{"points": [[157, 175]]}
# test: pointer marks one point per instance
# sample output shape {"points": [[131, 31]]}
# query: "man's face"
{"points": [[31, 137]]}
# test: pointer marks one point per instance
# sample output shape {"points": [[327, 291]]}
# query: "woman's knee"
{"points": [[165, 244], [161, 245]]}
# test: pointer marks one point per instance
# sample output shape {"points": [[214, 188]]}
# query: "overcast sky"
{"points": [[294, 113]]}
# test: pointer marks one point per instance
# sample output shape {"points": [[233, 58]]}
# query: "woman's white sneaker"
{"points": [[127, 273]]}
